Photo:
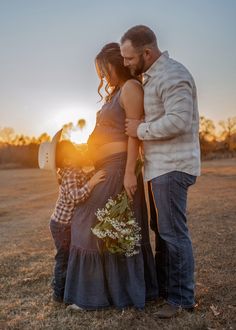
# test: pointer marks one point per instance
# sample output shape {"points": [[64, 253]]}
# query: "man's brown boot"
{"points": [[160, 301], [167, 311]]}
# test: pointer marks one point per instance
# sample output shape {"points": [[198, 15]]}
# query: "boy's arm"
{"points": [[90, 174], [76, 191]]}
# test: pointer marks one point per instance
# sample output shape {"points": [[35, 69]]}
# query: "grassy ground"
{"points": [[27, 198]]}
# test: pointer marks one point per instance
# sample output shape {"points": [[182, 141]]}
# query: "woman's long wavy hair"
{"points": [[110, 54]]}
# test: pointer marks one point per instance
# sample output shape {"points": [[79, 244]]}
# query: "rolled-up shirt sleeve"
{"points": [[177, 98]]}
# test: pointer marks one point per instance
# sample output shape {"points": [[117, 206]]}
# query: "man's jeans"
{"points": [[62, 236], [174, 254]]}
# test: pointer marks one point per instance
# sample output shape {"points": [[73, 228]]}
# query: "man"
{"points": [[172, 159]]}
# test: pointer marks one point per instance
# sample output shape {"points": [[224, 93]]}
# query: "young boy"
{"points": [[75, 186]]}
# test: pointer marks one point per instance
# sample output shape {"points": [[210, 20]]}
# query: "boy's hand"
{"points": [[96, 178]]}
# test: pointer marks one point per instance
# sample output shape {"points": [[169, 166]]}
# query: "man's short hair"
{"points": [[140, 36]]}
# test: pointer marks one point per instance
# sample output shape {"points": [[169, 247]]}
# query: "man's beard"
{"points": [[139, 68]]}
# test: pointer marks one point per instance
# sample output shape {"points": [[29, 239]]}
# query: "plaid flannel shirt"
{"points": [[73, 189]]}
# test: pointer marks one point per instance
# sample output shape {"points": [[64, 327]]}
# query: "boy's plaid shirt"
{"points": [[73, 189]]}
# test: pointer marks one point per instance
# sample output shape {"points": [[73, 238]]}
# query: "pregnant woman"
{"points": [[96, 280]]}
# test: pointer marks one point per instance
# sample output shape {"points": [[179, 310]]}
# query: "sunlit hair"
{"points": [[110, 54], [64, 152], [140, 36]]}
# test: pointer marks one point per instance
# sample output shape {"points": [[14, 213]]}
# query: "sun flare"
{"points": [[80, 125], [78, 136]]}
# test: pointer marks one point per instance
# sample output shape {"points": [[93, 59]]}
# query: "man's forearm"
{"points": [[165, 128], [177, 100]]}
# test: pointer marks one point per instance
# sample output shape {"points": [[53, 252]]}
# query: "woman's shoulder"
{"points": [[131, 86], [130, 91], [132, 83]]}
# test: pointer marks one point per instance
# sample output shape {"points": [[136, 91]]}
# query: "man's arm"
{"points": [[177, 98]]}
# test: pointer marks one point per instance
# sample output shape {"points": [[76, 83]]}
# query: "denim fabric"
{"points": [[61, 234], [174, 254]]}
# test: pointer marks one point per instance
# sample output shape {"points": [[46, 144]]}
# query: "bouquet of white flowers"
{"points": [[116, 225]]}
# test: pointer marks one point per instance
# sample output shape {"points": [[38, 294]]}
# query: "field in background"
{"points": [[27, 197]]}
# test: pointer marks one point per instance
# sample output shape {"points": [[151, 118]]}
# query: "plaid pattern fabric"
{"points": [[170, 132], [73, 189]]}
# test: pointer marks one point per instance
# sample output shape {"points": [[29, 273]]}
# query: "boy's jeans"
{"points": [[62, 237], [174, 254]]}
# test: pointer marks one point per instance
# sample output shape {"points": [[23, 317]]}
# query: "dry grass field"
{"points": [[27, 197]]}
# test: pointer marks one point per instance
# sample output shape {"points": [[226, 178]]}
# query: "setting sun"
{"points": [[76, 124], [78, 136]]}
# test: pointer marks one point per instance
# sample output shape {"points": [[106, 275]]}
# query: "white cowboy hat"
{"points": [[47, 153]]}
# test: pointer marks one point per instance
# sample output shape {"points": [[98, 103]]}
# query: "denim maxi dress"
{"points": [[96, 280]]}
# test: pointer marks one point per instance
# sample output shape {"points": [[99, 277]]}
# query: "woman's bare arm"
{"points": [[132, 101]]}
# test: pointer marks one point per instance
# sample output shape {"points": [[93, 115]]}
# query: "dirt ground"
{"points": [[27, 197]]}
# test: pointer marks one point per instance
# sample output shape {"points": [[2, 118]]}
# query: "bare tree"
{"points": [[207, 129], [7, 134], [228, 131], [81, 123], [22, 141], [68, 127], [207, 136], [44, 137]]}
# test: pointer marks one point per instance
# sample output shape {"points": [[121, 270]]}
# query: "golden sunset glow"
{"points": [[76, 124], [78, 136]]}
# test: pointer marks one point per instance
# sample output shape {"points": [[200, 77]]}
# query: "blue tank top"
{"points": [[110, 124]]}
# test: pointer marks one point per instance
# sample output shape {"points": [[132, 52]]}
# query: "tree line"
{"points": [[219, 144], [22, 151], [19, 150]]}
